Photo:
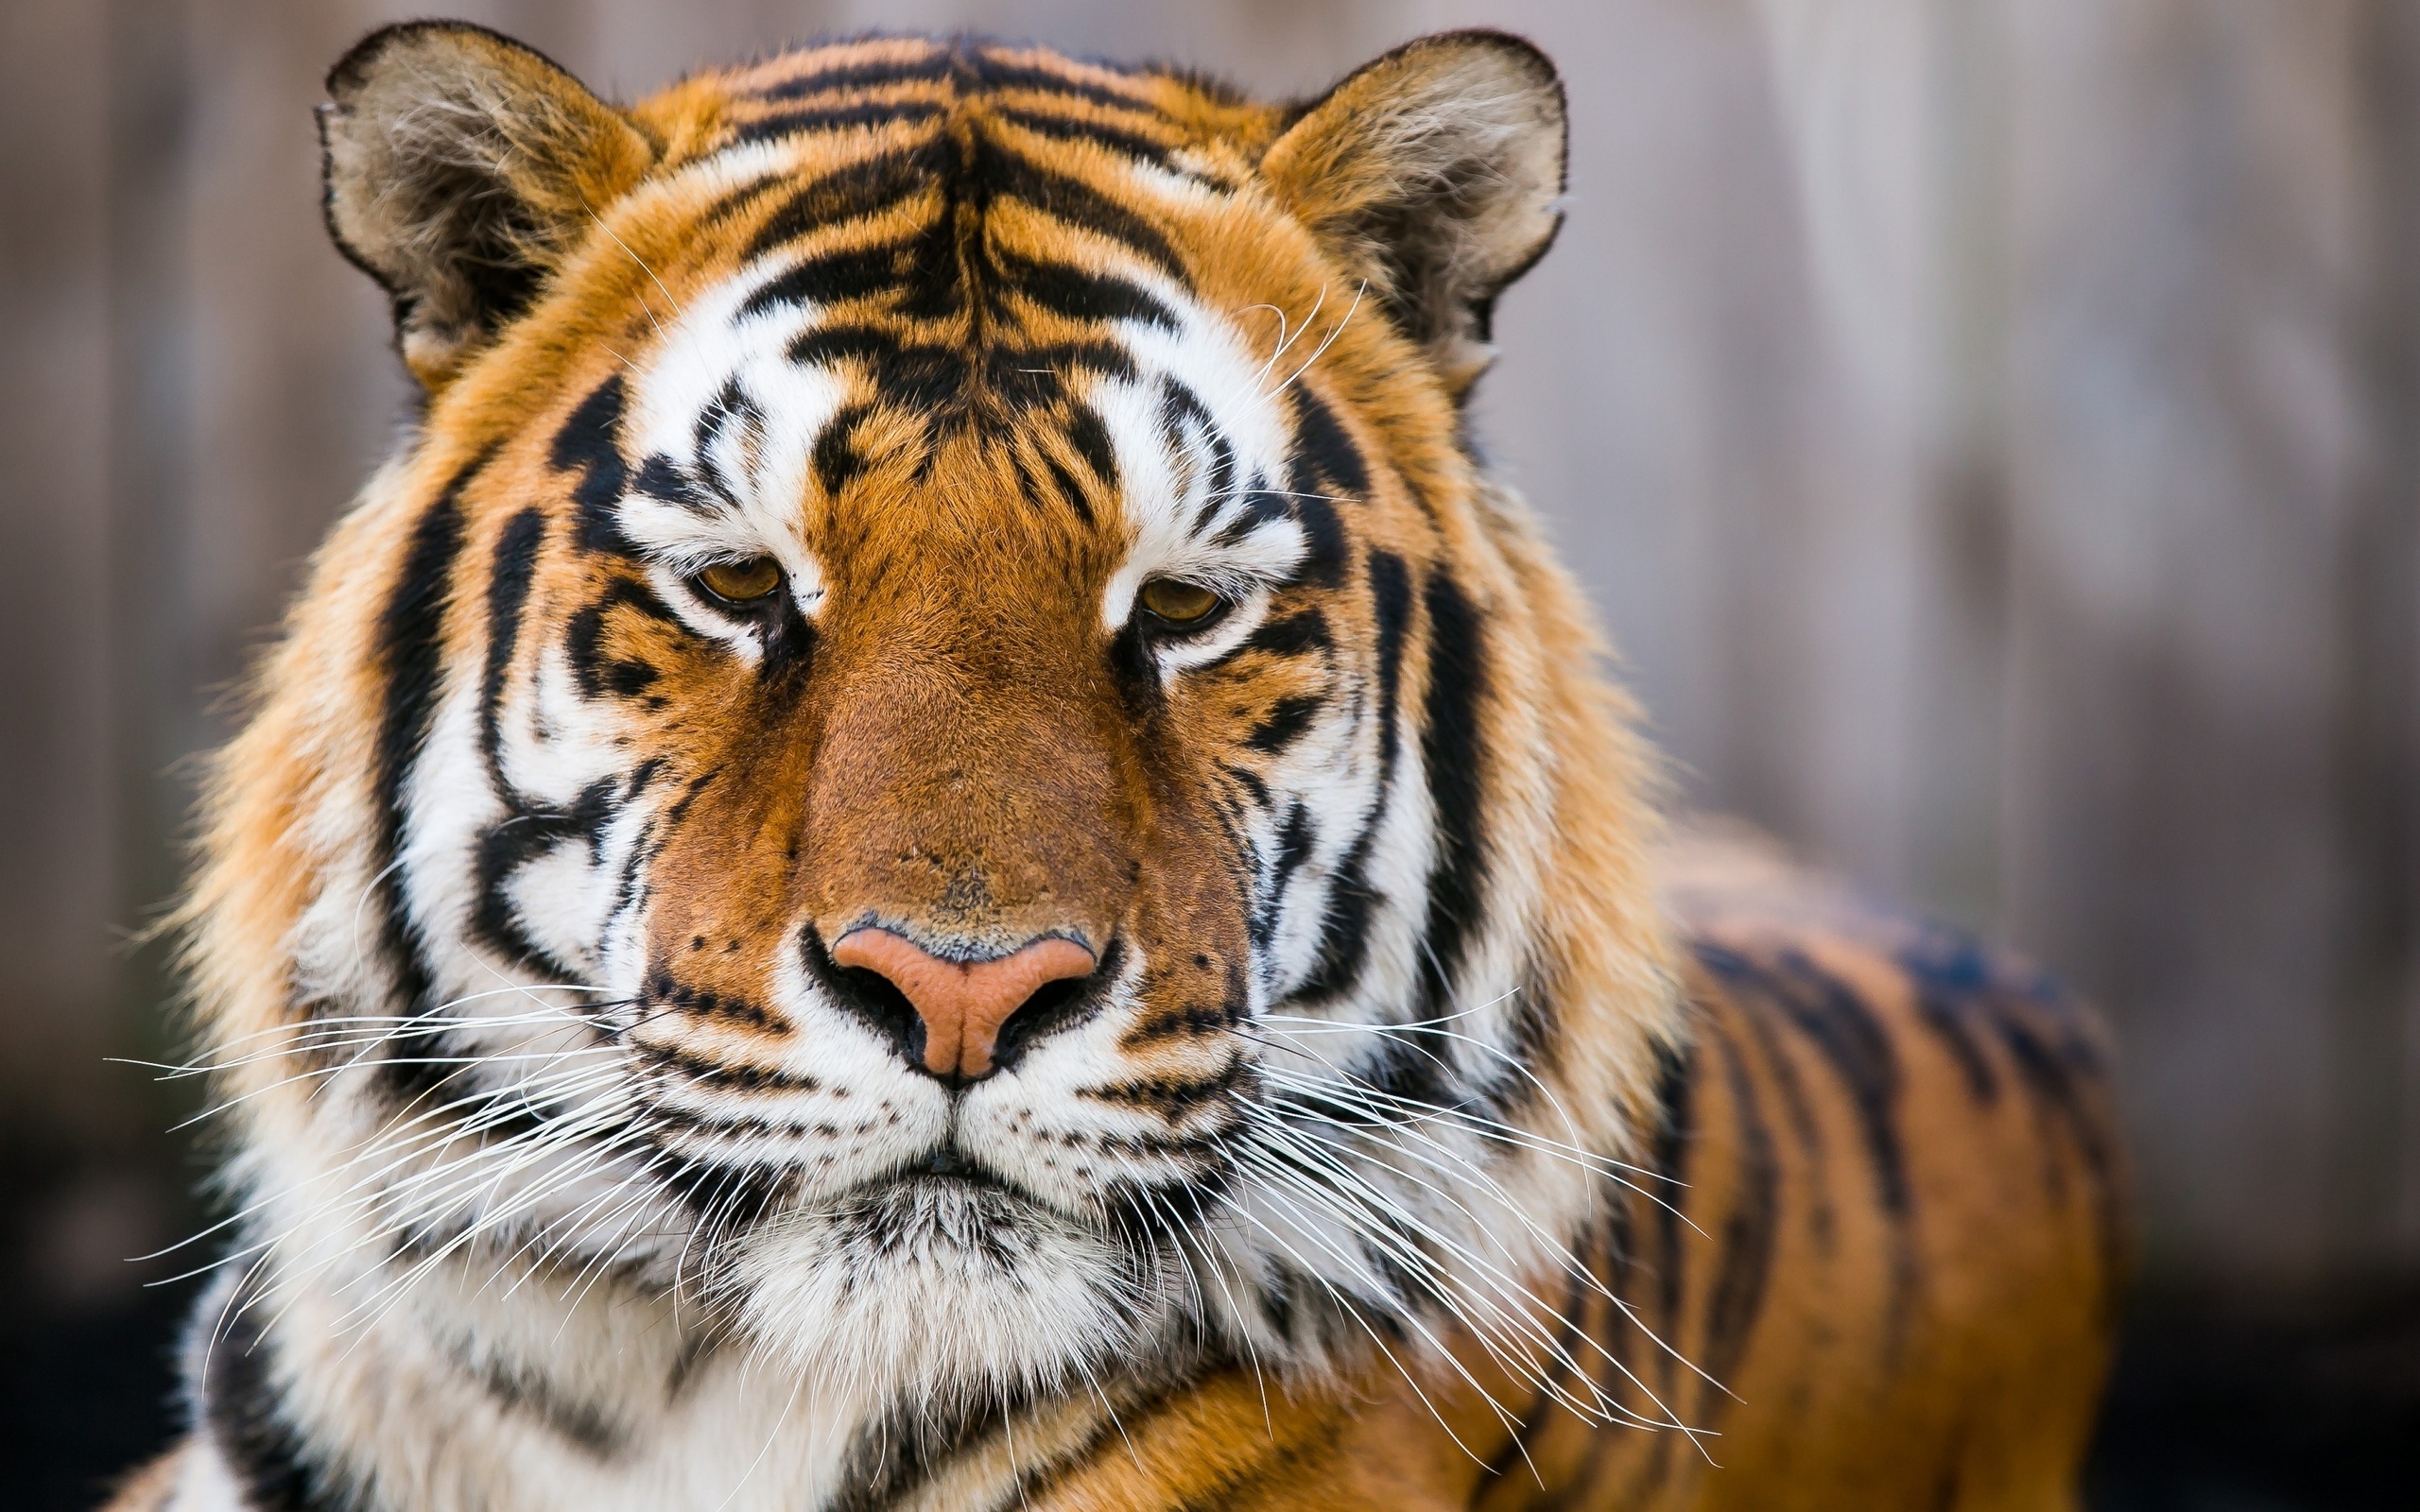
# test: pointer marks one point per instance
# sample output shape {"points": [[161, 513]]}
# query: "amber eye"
{"points": [[1182, 605], [742, 582]]}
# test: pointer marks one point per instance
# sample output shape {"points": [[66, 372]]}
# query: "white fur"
{"points": [[795, 1330]]}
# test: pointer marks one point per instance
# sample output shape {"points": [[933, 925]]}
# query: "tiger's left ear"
{"points": [[460, 167], [1436, 173]]}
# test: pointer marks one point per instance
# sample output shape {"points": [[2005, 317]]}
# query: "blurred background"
{"points": [[1989, 428]]}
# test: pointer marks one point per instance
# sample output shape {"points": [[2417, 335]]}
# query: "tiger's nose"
{"points": [[963, 1004]]}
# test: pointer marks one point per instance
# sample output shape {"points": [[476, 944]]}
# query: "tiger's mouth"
{"points": [[946, 1166], [945, 1201], [947, 1211], [938, 1275]]}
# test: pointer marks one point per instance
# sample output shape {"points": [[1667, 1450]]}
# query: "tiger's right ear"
{"points": [[460, 167]]}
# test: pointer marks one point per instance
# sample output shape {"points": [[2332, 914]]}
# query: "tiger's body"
{"points": [[935, 845]]}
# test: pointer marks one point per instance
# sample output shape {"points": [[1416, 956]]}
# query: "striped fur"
{"points": [[1406, 1148]]}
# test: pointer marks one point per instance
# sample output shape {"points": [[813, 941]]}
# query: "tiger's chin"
{"points": [[940, 1289]]}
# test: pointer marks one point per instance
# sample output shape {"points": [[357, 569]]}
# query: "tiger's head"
{"points": [[936, 741]]}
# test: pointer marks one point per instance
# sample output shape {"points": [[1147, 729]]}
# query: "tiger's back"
{"points": [[1885, 1230]]}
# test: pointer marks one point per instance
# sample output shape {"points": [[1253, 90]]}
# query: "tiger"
{"points": [[936, 842]]}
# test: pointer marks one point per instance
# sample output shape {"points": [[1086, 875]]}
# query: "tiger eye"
{"points": [[742, 582], [1179, 603]]}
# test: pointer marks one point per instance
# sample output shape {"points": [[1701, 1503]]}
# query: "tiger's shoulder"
{"points": [[1913, 1018], [1886, 1213]]}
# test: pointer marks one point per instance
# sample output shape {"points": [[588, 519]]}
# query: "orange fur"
{"points": [[1876, 1207]]}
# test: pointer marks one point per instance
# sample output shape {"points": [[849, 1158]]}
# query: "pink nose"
{"points": [[962, 1003]]}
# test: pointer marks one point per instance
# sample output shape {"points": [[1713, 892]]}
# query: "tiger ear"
{"points": [[1436, 172], [459, 167]]}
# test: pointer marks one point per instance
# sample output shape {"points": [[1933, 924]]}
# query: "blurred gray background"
{"points": [[1989, 428]]}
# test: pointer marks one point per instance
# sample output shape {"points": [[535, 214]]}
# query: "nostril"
{"points": [[1053, 1006], [877, 998]]}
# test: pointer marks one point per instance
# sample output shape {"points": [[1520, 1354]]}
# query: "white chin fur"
{"points": [[937, 1291]]}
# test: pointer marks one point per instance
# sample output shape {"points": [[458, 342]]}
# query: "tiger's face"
{"points": [[952, 763]]}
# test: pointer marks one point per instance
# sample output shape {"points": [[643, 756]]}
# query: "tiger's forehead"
{"points": [[947, 319], [1144, 113]]}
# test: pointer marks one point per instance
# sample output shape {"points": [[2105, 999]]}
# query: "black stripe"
{"points": [[1345, 925], [1963, 991], [1326, 554], [1296, 838], [1828, 1013], [1807, 1136], [861, 189], [837, 460], [1290, 635], [1038, 374], [1171, 1097], [1253, 507], [1144, 1387], [1837, 1022], [1543, 1408], [509, 576], [272, 1467], [1251, 781], [998, 73], [1219, 490], [1750, 1232], [732, 1195], [1668, 1159], [732, 409], [1453, 761], [527, 833], [1069, 489], [716, 1128], [930, 69], [1094, 133], [1948, 971], [1074, 293], [664, 989], [1074, 202], [662, 478], [1391, 614], [921, 374], [835, 117], [730, 202], [411, 641], [833, 278], [1325, 460], [723, 1074], [598, 673], [1284, 724], [1090, 439], [538, 1398], [524, 832], [1344, 922], [906, 1447], [590, 445], [1619, 1330]]}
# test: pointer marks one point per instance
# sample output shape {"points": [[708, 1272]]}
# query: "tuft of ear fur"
{"points": [[1435, 172], [460, 167]]}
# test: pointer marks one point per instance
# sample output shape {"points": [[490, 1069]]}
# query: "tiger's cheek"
{"points": [[705, 896], [722, 898], [1192, 917]]}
